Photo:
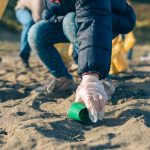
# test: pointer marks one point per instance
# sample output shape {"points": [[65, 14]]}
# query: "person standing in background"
{"points": [[28, 12]]}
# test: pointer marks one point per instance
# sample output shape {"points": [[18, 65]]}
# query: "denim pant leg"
{"points": [[70, 31], [25, 18], [42, 37]]}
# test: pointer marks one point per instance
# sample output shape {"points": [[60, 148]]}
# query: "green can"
{"points": [[79, 112]]}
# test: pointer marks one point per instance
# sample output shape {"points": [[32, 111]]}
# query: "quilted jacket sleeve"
{"points": [[94, 19]]}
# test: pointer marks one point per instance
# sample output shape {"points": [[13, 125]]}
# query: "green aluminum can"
{"points": [[79, 112]]}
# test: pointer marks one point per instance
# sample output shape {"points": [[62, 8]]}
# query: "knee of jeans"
{"points": [[24, 17], [69, 27], [68, 21], [28, 22], [34, 36]]}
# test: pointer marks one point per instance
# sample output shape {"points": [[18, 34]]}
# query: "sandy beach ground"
{"points": [[39, 122]]}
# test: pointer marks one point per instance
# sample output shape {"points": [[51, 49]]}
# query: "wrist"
{"points": [[97, 75]]}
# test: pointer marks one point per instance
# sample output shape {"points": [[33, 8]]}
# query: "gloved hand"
{"points": [[91, 92]]}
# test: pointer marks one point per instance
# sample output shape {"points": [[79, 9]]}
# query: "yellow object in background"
{"points": [[120, 48], [119, 61], [3, 4], [63, 50], [70, 50], [129, 41]]}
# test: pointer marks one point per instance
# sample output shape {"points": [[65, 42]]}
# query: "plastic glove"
{"points": [[91, 92]]}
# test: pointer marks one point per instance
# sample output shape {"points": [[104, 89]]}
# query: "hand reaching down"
{"points": [[92, 93]]}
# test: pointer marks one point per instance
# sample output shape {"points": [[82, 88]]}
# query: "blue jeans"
{"points": [[24, 16], [42, 37], [70, 31]]}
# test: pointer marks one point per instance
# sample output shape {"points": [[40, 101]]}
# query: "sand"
{"points": [[39, 122]]}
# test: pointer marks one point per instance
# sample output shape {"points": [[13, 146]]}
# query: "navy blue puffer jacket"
{"points": [[98, 21]]}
